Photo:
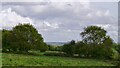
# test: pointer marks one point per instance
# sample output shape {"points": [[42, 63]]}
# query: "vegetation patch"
{"points": [[30, 60]]}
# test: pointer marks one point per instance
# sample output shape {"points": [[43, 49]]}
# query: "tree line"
{"points": [[95, 44]]}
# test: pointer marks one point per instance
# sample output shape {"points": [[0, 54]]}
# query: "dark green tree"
{"points": [[93, 35], [118, 64], [43, 47], [69, 48], [6, 45], [108, 42], [98, 44], [51, 47], [26, 37], [118, 48], [78, 47]]}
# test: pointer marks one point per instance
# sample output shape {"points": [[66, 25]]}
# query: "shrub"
{"points": [[69, 48], [51, 48], [118, 64], [54, 54]]}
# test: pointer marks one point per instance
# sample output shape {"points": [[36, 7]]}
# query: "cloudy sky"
{"points": [[61, 21]]}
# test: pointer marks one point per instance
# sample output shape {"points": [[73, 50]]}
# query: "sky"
{"points": [[61, 21]]}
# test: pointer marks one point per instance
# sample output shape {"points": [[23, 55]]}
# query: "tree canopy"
{"points": [[22, 37], [93, 35], [95, 43]]}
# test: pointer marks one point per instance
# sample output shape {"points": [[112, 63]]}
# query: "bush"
{"points": [[54, 48], [58, 48], [6, 40], [44, 48], [119, 48], [118, 64], [69, 48], [55, 54]]}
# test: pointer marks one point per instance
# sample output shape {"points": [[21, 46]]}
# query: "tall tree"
{"points": [[93, 35], [98, 43], [26, 37]]}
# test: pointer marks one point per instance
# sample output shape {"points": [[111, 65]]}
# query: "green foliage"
{"points": [[6, 40], [95, 44], [43, 47], [80, 48], [119, 48], [93, 35], [54, 48], [58, 48], [108, 45], [118, 64], [103, 50], [115, 54], [30, 60], [27, 36], [69, 48], [23, 38], [55, 54]]}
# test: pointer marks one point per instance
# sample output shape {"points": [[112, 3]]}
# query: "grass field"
{"points": [[41, 60]]}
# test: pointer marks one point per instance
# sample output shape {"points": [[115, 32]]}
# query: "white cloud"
{"points": [[104, 26], [10, 18], [99, 13], [107, 13], [89, 15], [57, 17], [59, 0], [108, 27], [112, 30], [38, 8], [52, 25]]}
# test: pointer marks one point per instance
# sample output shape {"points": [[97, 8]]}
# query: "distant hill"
{"points": [[56, 43]]}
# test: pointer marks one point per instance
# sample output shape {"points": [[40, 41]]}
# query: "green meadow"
{"points": [[10, 59]]}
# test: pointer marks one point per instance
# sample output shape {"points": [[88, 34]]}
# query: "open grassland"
{"points": [[9, 59]]}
